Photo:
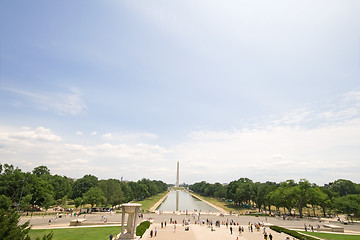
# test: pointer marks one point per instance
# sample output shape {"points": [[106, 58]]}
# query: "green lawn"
{"points": [[89, 233], [150, 201], [330, 236]]}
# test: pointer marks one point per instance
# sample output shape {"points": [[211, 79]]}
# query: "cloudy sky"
{"points": [[268, 90]]}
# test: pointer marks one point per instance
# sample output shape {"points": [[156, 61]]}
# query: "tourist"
{"points": [[151, 233], [265, 236], [270, 236], [111, 236], [174, 227], [155, 232], [230, 229]]}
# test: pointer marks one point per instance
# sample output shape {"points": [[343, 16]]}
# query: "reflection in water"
{"points": [[183, 201], [177, 200]]}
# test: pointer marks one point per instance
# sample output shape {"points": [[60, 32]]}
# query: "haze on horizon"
{"points": [[268, 90]]}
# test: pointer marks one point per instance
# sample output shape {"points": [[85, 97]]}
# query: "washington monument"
{"points": [[177, 175]]}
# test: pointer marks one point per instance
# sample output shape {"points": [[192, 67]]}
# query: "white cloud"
{"points": [[40, 134], [28, 148], [63, 103], [79, 133], [93, 133], [107, 136], [132, 137], [320, 144]]}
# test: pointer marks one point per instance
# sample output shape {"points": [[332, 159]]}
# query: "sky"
{"points": [[268, 90]]}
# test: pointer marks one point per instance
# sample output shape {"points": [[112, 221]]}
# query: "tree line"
{"points": [[40, 189], [342, 196]]}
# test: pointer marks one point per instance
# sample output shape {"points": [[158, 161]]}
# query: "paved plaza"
{"points": [[203, 232], [196, 232]]}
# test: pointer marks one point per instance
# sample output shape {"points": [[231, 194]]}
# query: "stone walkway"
{"points": [[203, 232]]}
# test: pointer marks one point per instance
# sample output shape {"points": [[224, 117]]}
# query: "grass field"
{"points": [[90, 233], [330, 236], [150, 201]]}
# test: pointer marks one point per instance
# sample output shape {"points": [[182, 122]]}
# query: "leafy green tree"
{"points": [[302, 194], [62, 186], [283, 196], [128, 192], [42, 192], [349, 204], [262, 197], [12, 181], [112, 191], [344, 187], [326, 201], [82, 185], [26, 202], [94, 196], [241, 190], [10, 229], [5, 202], [219, 190], [78, 202], [41, 171]]}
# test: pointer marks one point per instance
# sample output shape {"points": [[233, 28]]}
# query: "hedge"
{"points": [[292, 233], [141, 229]]}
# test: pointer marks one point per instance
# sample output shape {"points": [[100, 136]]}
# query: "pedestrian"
{"points": [[162, 224], [151, 233], [270, 236], [174, 227], [155, 231], [165, 224], [111, 236], [265, 236], [230, 229]]}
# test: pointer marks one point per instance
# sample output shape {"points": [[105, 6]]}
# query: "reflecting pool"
{"points": [[182, 201]]}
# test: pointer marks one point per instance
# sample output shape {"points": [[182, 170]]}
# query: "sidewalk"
{"points": [[202, 232]]}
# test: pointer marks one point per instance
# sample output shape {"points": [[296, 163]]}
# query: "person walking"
{"points": [[270, 236], [155, 231], [151, 233], [230, 229]]}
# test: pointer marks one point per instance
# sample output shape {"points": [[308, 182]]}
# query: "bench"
{"points": [[77, 222], [334, 228]]}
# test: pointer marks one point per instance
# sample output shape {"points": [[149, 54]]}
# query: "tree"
{"points": [[42, 192], [343, 187], [41, 171], [128, 192], [26, 202], [82, 185], [12, 181], [302, 194], [349, 204], [9, 223], [325, 200], [241, 190], [112, 191], [5, 202], [78, 202], [263, 198], [62, 186], [94, 196]]}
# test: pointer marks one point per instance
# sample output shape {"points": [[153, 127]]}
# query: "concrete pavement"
{"points": [[203, 232]]}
